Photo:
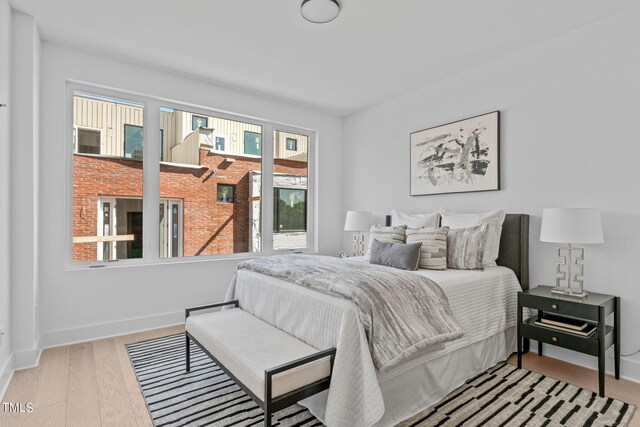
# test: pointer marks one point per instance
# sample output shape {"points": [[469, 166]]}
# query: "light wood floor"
{"points": [[93, 384]]}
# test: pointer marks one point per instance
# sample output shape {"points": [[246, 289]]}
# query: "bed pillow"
{"points": [[493, 218], [392, 234], [414, 220], [396, 255], [433, 252], [466, 247]]}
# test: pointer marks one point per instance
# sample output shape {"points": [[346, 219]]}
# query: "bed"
{"points": [[484, 303]]}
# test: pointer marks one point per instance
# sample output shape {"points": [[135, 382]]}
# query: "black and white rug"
{"points": [[206, 396], [501, 396]]}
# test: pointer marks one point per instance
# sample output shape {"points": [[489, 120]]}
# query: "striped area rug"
{"points": [[507, 396], [206, 396], [501, 396]]}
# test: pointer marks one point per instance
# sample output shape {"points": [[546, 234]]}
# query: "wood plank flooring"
{"points": [[93, 384]]}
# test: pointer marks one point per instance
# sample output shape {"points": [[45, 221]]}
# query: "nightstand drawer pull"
{"points": [[554, 306], [554, 339]]}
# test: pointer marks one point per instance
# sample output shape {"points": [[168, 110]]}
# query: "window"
{"points": [[199, 122], [220, 140], [107, 187], [133, 142], [88, 140], [292, 144], [226, 193], [252, 143], [220, 188], [290, 185], [289, 210], [161, 144], [207, 184]]}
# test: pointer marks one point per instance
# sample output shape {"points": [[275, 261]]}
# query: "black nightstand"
{"points": [[593, 308]]}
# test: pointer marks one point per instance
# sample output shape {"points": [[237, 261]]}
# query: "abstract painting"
{"points": [[457, 157]]}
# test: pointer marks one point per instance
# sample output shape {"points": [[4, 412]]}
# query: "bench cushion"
{"points": [[247, 346]]}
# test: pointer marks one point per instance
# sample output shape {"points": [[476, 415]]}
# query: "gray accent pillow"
{"points": [[466, 246], [433, 252], [396, 255], [395, 234]]}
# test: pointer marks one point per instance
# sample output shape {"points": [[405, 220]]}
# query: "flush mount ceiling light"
{"points": [[320, 11]]}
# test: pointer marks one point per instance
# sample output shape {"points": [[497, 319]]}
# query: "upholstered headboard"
{"points": [[514, 246]]}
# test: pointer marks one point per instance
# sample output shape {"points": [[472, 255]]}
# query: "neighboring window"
{"points": [[107, 226], [161, 144], [88, 141], [226, 193], [292, 144], [289, 210], [252, 143], [171, 230], [133, 142], [199, 122], [220, 142]]}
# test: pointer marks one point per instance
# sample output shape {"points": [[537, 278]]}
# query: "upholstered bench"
{"points": [[274, 368]]}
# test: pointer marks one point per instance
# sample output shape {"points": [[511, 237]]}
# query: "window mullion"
{"points": [[151, 181], [267, 188]]}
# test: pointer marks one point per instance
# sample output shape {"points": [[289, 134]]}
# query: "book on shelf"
{"points": [[564, 322], [587, 331]]}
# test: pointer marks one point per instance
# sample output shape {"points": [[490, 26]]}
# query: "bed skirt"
{"points": [[419, 387]]}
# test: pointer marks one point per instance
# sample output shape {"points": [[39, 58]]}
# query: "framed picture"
{"points": [[458, 157]]}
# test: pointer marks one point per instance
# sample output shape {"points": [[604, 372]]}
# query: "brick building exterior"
{"points": [[209, 227]]}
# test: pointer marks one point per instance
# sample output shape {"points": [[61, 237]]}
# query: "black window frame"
{"points": [[295, 144], [233, 197], [196, 116], [244, 142], [124, 141], [276, 210]]}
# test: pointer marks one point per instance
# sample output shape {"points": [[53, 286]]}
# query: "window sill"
{"points": [[137, 263]]}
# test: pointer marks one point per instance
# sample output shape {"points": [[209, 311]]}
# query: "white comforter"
{"points": [[484, 303]]}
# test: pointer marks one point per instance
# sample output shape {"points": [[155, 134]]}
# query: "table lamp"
{"points": [[571, 226], [358, 221]]}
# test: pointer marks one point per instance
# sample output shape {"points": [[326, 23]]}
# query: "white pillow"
{"points": [[419, 220], [493, 218]]}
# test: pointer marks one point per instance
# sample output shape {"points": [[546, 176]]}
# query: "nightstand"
{"points": [[593, 308]]}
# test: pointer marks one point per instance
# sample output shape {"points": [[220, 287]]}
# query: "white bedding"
{"points": [[484, 303]]}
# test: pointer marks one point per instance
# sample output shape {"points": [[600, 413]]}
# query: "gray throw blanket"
{"points": [[402, 312]]}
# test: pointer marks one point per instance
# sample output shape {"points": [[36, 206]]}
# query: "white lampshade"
{"points": [[571, 225], [357, 221]]}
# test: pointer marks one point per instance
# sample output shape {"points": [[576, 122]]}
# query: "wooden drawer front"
{"points": [[571, 342], [569, 308]]}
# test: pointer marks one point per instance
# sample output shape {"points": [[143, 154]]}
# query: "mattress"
{"points": [[483, 302]]}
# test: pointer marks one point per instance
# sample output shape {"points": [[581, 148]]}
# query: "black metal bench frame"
{"points": [[270, 404]]}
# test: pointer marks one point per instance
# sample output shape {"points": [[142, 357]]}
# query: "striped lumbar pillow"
{"points": [[433, 253], [396, 234]]}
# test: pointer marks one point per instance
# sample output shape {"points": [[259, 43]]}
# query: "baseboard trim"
{"points": [[6, 373], [629, 366], [26, 359], [108, 330]]}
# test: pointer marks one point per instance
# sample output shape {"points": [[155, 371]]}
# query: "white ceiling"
{"points": [[375, 50]]}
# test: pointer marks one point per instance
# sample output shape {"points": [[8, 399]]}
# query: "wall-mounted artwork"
{"points": [[457, 157]]}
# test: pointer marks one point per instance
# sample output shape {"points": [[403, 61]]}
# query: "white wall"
{"points": [[570, 109], [85, 304], [25, 84], [5, 262]]}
